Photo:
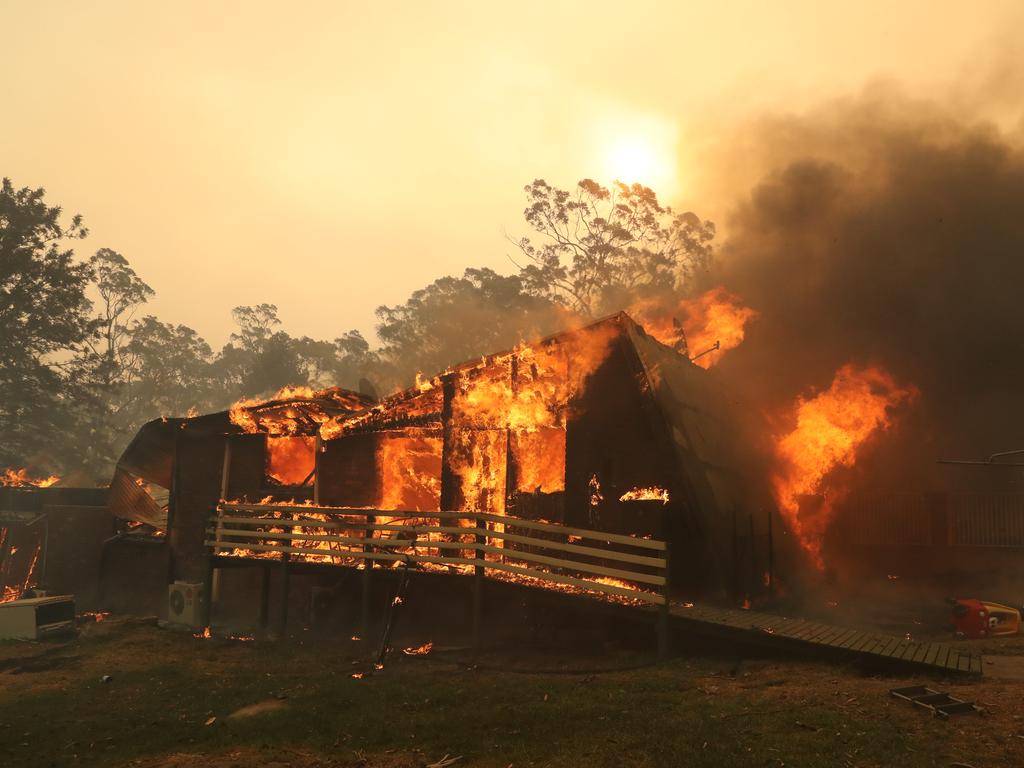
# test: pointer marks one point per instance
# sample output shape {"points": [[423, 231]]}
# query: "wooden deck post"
{"points": [[479, 540], [213, 574], [664, 612], [282, 615], [317, 450], [265, 598], [364, 621]]}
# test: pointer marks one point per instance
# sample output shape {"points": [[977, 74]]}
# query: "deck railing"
{"points": [[481, 544]]}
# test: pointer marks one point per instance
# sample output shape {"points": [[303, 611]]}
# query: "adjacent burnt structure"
{"points": [[51, 539], [598, 427]]}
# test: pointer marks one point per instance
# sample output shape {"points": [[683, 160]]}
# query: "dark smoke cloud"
{"points": [[888, 232]]}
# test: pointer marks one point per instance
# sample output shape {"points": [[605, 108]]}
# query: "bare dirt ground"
{"points": [[173, 700]]}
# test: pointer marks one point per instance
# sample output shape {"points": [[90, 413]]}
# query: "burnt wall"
{"points": [[247, 469], [199, 464], [348, 471], [614, 431]]}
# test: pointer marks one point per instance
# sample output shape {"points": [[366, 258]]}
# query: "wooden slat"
{"points": [[871, 642], [598, 570], [837, 642], [511, 554], [502, 519], [352, 511], [852, 640], [901, 648], [783, 627], [817, 630], [828, 637], [886, 647], [649, 597], [922, 651], [357, 541], [610, 589], [976, 665], [611, 538], [626, 557]]}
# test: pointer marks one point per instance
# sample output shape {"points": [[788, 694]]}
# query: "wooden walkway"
{"points": [[828, 638]]}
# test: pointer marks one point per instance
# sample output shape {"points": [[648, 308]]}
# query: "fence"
{"points": [[945, 519], [481, 544], [987, 519]]}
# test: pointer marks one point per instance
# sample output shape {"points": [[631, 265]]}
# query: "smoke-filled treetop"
{"points": [[101, 369], [600, 249]]}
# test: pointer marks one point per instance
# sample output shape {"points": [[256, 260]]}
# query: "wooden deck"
{"points": [[828, 638]]}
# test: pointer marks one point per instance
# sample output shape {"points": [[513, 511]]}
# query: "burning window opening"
{"points": [[291, 460]]}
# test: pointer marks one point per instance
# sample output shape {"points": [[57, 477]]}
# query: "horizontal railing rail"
{"points": [[478, 543]]}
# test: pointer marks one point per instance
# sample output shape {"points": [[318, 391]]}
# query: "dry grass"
{"points": [[176, 701]]}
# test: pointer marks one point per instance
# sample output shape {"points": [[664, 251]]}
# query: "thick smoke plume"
{"points": [[888, 233]]}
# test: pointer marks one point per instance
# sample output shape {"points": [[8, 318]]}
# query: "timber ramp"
{"points": [[837, 642]]}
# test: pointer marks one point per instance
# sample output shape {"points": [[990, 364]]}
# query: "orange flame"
{"points": [[410, 470], [19, 478], [422, 650], [277, 416], [14, 592], [715, 320], [646, 494], [290, 460], [830, 428]]}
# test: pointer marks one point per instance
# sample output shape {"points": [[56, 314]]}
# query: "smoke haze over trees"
{"points": [[878, 230], [90, 370]]}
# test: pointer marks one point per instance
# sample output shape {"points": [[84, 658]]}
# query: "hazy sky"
{"points": [[329, 157]]}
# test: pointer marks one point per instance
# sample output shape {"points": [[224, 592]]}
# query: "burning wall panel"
{"points": [[409, 465], [720, 476], [479, 461], [616, 442], [539, 460]]}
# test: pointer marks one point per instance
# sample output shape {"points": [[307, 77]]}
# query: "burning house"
{"points": [[602, 427]]}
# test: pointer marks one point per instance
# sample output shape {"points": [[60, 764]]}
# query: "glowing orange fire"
{"points": [[410, 473], [646, 494], [422, 650], [293, 410], [831, 426], [290, 460], [19, 478], [715, 320], [15, 591]]}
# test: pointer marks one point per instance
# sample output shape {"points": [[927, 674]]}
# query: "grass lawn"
{"points": [[174, 700]]}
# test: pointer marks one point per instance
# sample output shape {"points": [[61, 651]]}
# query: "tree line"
{"points": [[82, 365]]}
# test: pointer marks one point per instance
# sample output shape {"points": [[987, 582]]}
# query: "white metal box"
{"points": [[37, 617], [185, 605]]}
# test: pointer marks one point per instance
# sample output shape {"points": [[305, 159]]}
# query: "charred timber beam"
{"points": [[449, 489], [422, 420]]}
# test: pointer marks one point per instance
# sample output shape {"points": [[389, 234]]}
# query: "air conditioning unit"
{"points": [[37, 617], [185, 606]]}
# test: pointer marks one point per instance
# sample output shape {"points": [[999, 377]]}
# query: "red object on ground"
{"points": [[977, 618]]}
